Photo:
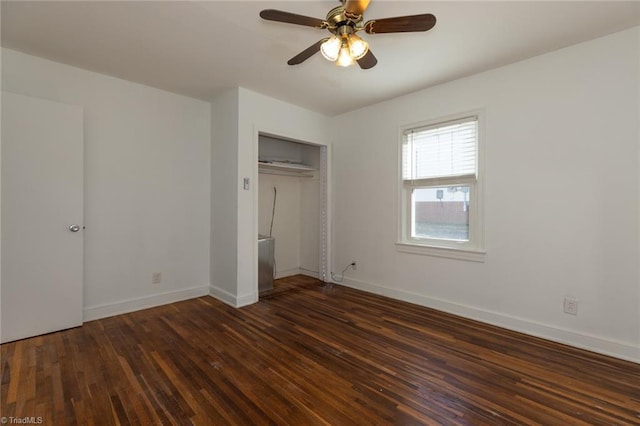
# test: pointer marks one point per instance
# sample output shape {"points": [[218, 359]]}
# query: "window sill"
{"points": [[446, 252]]}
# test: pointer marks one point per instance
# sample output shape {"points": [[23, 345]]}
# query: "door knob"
{"points": [[74, 228]]}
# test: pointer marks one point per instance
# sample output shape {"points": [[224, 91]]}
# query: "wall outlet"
{"points": [[156, 278], [570, 306], [354, 265]]}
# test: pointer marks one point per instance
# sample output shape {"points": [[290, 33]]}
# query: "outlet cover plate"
{"points": [[570, 306]]}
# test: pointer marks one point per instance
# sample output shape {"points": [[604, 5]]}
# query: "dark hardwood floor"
{"points": [[289, 284], [317, 355]]}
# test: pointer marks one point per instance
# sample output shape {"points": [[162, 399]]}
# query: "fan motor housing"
{"points": [[338, 17]]}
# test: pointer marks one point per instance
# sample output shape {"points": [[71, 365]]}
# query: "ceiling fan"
{"points": [[344, 46]]}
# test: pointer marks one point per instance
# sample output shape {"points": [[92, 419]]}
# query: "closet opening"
{"points": [[292, 214]]}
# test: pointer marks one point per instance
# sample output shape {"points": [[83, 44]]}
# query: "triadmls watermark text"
{"points": [[26, 420]]}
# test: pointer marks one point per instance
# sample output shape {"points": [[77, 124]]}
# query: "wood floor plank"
{"points": [[309, 354]]}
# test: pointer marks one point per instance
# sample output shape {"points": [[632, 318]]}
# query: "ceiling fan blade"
{"points": [[356, 7], [367, 61], [292, 18], [401, 24], [306, 53]]}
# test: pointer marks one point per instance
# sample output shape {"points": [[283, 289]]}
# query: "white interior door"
{"points": [[42, 178]]}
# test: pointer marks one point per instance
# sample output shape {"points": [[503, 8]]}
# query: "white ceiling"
{"points": [[202, 48]]}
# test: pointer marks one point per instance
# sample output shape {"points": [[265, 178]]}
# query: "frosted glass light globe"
{"points": [[357, 47], [330, 49]]}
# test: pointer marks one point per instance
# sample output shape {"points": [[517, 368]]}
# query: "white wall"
{"points": [[562, 197], [286, 223], [224, 196], [147, 183]]}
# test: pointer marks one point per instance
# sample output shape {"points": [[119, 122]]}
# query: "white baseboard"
{"points": [[568, 337], [231, 300], [287, 273], [296, 271], [308, 273], [91, 313]]}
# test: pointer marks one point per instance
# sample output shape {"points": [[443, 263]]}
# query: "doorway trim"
{"points": [[325, 203]]}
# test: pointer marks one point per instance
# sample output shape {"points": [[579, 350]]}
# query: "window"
{"points": [[440, 190]]}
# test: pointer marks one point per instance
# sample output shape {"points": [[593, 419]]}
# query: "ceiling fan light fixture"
{"points": [[344, 58], [330, 49], [343, 46], [357, 47]]}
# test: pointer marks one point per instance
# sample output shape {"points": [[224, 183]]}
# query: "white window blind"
{"points": [[443, 150]]}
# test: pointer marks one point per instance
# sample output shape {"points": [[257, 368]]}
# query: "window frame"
{"points": [[472, 250]]}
